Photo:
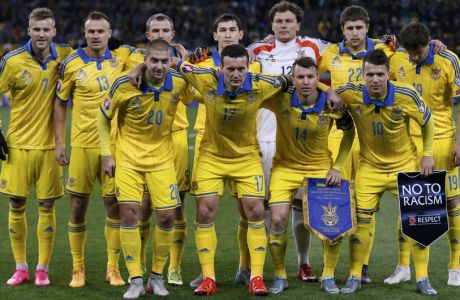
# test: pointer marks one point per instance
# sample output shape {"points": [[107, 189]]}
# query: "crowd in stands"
{"points": [[193, 19]]}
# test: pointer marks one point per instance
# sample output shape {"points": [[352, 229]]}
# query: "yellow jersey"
{"points": [[32, 84], [231, 116], [87, 81], [145, 120], [344, 66], [437, 80], [383, 124], [214, 62], [302, 132], [180, 121]]}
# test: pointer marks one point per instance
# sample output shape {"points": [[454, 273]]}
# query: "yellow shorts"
{"points": [[24, 167], [370, 186], [199, 136], [444, 160], [181, 159], [84, 168], [351, 164], [211, 174], [162, 184], [284, 184]]}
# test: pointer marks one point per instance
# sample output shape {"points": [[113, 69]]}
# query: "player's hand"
{"points": [[270, 39], [108, 166], [136, 75], [180, 50], [457, 154], [427, 165], [438, 46], [334, 102], [3, 147], [333, 177], [391, 41], [200, 54], [61, 156]]}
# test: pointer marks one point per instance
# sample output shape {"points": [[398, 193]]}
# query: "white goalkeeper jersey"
{"points": [[278, 58]]}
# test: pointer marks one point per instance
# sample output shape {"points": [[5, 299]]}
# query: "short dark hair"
{"points": [[159, 17], [234, 51], [97, 15], [158, 44], [414, 36], [377, 57], [304, 62], [225, 18], [41, 13], [284, 6], [354, 13]]}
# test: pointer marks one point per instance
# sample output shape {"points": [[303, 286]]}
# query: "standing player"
{"points": [[436, 78], [160, 26], [343, 62], [30, 74], [278, 58], [143, 157], [227, 30], [87, 75], [229, 150], [381, 110], [303, 126]]}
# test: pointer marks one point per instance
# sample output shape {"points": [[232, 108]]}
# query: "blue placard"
{"points": [[329, 212]]}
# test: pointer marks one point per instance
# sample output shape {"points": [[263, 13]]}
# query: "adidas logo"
{"points": [[454, 242], [260, 249], [401, 239], [129, 258], [203, 250], [275, 244], [355, 241], [11, 231], [118, 251], [178, 242], [49, 229]]}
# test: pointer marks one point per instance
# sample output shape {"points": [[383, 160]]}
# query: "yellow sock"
{"points": [[77, 239], [206, 242], [178, 244], [359, 244], [331, 258], [371, 242], [144, 231], [18, 233], [112, 236], [131, 245], [242, 235], [46, 231], [277, 242], [454, 237], [162, 240], [257, 244], [404, 248], [421, 257]]}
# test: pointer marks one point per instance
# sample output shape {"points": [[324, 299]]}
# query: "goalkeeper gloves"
{"points": [[391, 41], [200, 54]]}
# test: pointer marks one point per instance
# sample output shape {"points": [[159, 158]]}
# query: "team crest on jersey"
{"points": [[212, 96], [286, 114], [435, 73], [81, 75], [301, 53], [271, 58], [277, 82], [329, 216], [107, 103], [336, 62], [358, 110], [3, 183], [136, 103], [72, 181], [26, 77], [174, 98], [396, 113], [251, 97], [402, 73], [194, 185], [322, 120], [114, 63]]}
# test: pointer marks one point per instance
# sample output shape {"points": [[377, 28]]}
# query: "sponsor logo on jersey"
{"points": [[336, 62]]}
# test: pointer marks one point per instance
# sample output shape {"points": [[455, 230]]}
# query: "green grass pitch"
{"points": [[382, 262]]}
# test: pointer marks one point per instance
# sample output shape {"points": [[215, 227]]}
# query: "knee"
{"points": [[46, 204], [165, 218], [129, 215], [204, 214], [278, 222], [17, 203], [255, 212]]}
